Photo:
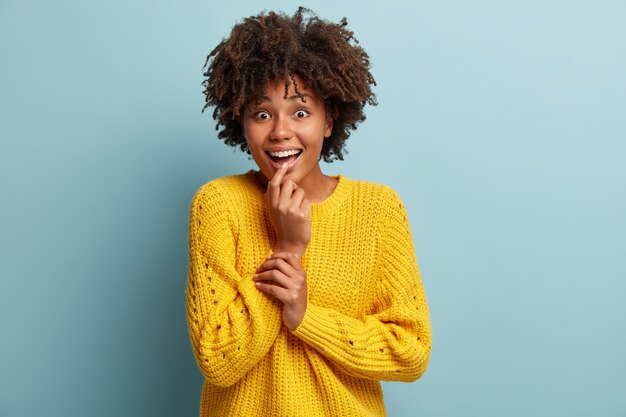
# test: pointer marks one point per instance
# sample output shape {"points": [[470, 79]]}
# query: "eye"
{"points": [[301, 113], [261, 115]]}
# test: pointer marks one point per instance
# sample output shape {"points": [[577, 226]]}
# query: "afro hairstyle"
{"points": [[272, 46]]}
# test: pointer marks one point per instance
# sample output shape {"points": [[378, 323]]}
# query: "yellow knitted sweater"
{"points": [[366, 318]]}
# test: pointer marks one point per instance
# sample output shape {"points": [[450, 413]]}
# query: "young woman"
{"points": [[304, 290]]}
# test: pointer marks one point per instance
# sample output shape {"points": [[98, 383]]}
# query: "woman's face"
{"points": [[282, 130]]}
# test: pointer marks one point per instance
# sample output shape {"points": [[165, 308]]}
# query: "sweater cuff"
{"points": [[317, 327]]}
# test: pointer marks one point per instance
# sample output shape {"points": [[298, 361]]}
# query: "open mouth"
{"points": [[281, 157]]}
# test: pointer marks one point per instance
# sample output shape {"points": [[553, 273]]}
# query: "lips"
{"points": [[283, 153], [277, 156]]}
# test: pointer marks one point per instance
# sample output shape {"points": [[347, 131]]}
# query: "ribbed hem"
{"points": [[315, 326], [334, 201]]}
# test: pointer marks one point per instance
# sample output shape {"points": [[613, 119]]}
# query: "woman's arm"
{"points": [[232, 325], [394, 342]]}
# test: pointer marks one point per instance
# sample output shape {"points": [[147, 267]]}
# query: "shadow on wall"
{"points": [[152, 369], [168, 356]]}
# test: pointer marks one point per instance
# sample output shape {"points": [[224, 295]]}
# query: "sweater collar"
{"points": [[331, 204]]}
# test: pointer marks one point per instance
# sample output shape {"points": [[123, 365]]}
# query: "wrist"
{"points": [[297, 250], [294, 320]]}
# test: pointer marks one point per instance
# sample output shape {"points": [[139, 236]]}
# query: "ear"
{"points": [[328, 128]]}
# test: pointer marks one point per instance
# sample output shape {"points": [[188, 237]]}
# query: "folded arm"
{"points": [[394, 342], [232, 325]]}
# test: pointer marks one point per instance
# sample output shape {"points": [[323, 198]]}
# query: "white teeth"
{"points": [[284, 154]]}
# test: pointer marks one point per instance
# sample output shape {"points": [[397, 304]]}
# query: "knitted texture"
{"points": [[366, 320]]}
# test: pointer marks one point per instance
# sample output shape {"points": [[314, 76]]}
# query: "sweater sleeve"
{"points": [[231, 324], [393, 343]]}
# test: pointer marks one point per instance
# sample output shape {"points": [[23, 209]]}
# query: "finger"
{"points": [[297, 198], [273, 276], [289, 257], [280, 293], [286, 191], [306, 208], [278, 176], [273, 187], [279, 264]]}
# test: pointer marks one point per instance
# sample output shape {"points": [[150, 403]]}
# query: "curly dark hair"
{"points": [[273, 46]]}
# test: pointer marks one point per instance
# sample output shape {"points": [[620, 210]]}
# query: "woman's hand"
{"points": [[290, 213], [282, 276]]}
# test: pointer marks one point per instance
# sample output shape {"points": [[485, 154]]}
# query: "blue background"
{"points": [[502, 125]]}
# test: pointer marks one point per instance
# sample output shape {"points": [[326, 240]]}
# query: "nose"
{"points": [[282, 129]]}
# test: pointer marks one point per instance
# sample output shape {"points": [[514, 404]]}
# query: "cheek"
{"points": [[250, 136]]}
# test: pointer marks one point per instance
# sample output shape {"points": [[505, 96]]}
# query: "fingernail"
{"points": [[255, 276], [284, 165]]}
